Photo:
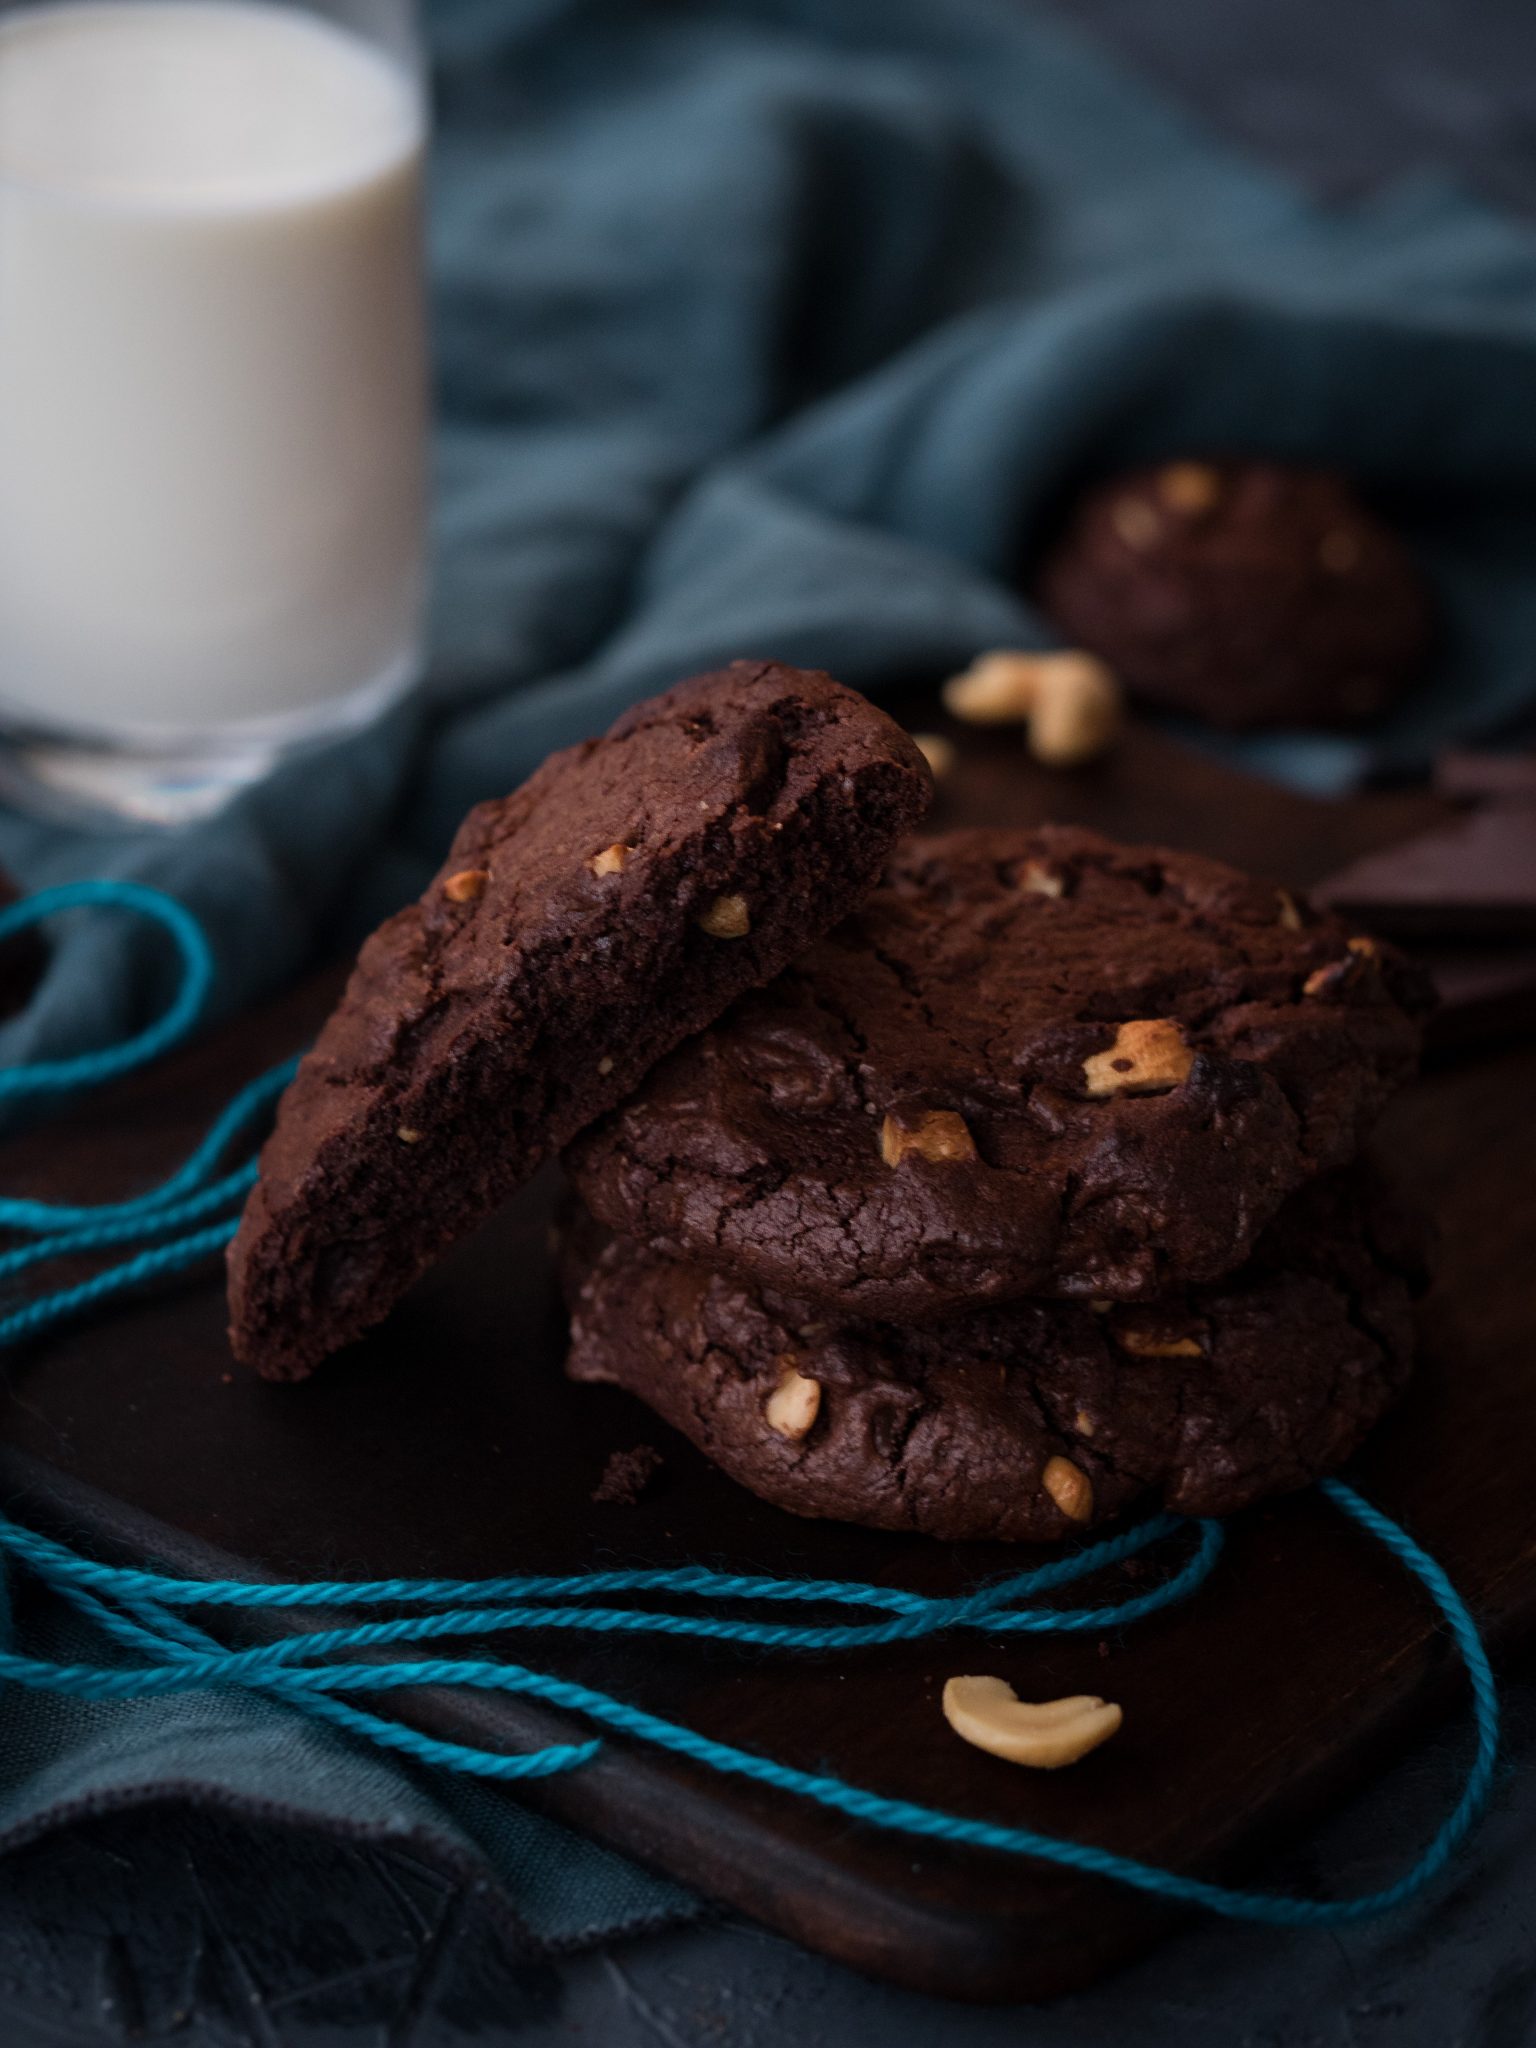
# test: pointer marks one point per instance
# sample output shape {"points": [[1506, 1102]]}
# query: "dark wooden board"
{"points": [[450, 1443]]}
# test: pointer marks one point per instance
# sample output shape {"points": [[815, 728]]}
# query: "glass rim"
{"points": [[165, 202]]}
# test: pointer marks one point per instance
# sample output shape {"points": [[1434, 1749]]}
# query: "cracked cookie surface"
{"points": [[1031, 1063], [626, 894], [1031, 1421]]}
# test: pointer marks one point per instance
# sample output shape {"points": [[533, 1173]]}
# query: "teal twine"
{"points": [[141, 1610], [186, 1659], [90, 1069], [192, 1194], [168, 1634], [989, 1607], [66, 1302], [187, 1180]]}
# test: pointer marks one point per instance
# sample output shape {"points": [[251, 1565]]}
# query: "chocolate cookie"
{"points": [[619, 900], [1029, 1421], [1247, 593], [1033, 1062]]}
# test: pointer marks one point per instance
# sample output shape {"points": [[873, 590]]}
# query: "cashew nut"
{"points": [[726, 918], [1337, 974], [1070, 1487], [997, 689], [466, 885], [937, 1134], [1146, 1344], [1076, 715], [794, 1404], [1149, 1056], [989, 1713], [1039, 880], [938, 750], [1069, 701], [610, 861]]}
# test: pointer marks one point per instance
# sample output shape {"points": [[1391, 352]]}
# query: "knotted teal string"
{"points": [[141, 1610]]}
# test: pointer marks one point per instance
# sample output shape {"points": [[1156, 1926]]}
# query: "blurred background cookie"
{"points": [[1247, 593]]}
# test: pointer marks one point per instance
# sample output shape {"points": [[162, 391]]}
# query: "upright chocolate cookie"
{"points": [[1024, 1422], [1247, 593], [579, 929], [1033, 1062]]}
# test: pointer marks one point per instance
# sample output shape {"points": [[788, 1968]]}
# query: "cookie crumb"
{"points": [[626, 1476]]}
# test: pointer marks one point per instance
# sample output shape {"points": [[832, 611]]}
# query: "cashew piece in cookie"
{"points": [[1339, 974], [1070, 1487], [937, 1134], [726, 918], [988, 1713], [794, 1404], [1149, 1056], [1147, 1344], [1070, 702]]}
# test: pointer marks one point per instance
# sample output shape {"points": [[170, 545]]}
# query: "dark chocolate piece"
{"points": [[1467, 776], [1471, 880], [1486, 998]]}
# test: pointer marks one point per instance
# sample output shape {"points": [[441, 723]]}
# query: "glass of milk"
{"points": [[212, 389]]}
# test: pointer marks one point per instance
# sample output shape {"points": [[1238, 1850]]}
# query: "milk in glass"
{"points": [[211, 368]]}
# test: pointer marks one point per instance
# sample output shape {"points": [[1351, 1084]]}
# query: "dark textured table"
{"points": [[195, 1929]]}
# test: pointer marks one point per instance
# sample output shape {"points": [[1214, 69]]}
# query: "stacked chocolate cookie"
{"points": [[985, 1199], [1028, 1193]]}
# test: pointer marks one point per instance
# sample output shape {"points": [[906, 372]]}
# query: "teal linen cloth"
{"points": [[778, 327]]}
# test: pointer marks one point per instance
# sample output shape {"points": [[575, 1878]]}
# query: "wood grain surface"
{"points": [[450, 1443]]}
